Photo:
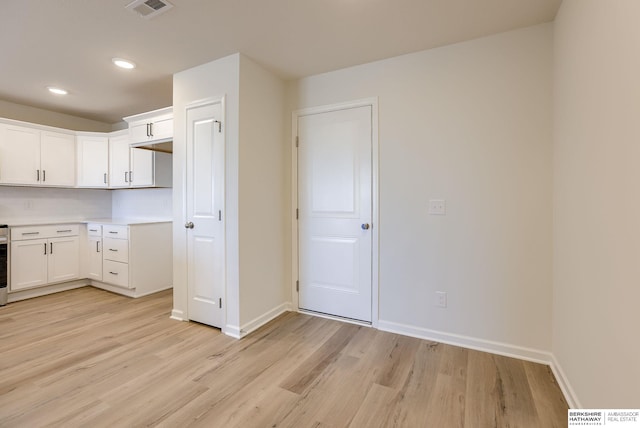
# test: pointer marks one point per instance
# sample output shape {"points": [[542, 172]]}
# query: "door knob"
{"points": [[365, 226], [189, 225]]}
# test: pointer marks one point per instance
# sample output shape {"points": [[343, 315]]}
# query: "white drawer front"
{"points": [[113, 231], [28, 232], [94, 229], [116, 273], [63, 230], [49, 231], [115, 249]]}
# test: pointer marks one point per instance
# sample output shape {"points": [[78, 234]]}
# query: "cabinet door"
{"points": [[162, 129], [28, 264], [58, 159], [119, 161], [141, 168], [64, 259], [93, 161], [19, 155], [94, 259], [139, 132]]}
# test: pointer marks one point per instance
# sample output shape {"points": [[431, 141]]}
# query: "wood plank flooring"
{"points": [[89, 358]]}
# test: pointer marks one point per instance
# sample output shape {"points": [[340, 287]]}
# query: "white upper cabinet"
{"points": [[34, 157], [129, 167], [93, 161], [153, 126], [57, 159], [19, 155]]}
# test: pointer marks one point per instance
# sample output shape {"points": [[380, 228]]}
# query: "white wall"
{"points": [[262, 215], [469, 123], [254, 188], [46, 117], [142, 203], [596, 201], [20, 204], [212, 80]]}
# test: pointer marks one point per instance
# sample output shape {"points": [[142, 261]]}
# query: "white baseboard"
{"points": [[256, 323], [178, 315], [232, 331], [565, 386], [505, 349]]}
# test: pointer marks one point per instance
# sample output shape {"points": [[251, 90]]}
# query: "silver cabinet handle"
{"points": [[105, 178], [45, 248], [44, 175], [97, 246], [51, 248], [189, 225], [30, 233], [64, 231], [126, 180], [151, 129], [130, 176], [113, 273], [113, 249], [37, 175]]}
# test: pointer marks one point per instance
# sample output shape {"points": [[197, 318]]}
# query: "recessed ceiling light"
{"points": [[57, 91], [123, 63]]}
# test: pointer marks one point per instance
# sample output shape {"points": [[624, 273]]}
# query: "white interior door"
{"points": [[335, 212], [205, 223]]}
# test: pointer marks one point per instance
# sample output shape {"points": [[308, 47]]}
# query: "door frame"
{"points": [[375, 250], [195, 104]]}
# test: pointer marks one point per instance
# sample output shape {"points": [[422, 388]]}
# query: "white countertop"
{"points": [[44, 221]]}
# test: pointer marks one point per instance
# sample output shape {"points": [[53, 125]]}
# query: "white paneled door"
{"points": [[335, 212], [204, 219]]}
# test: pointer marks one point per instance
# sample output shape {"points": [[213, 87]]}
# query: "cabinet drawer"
{"points": [[37, 232], [63, 230], [116, 249], [28, 232], [113, 231], [94, 229], [116, 273]]}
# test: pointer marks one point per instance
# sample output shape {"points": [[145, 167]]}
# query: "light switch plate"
{"points": [[437, 207]]}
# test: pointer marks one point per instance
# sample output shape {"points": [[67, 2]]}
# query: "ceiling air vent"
{"points": [[149, 8]]}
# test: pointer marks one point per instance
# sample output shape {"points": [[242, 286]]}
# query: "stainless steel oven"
{"points": [[4, 263]]}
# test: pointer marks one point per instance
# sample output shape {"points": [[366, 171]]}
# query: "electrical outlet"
{"points": [[437, 207], [441, 299]]}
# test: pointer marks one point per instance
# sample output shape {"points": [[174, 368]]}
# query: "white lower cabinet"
{"points": [[94, 252], [136, 258], [44, 255]]}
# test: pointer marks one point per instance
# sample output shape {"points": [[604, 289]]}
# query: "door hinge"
{"points": [[297, 213], [220, 302], [297, 141], [297, 285]]}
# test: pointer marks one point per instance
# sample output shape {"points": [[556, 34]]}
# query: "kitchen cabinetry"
{"points": [[129, 167], [137, 257], [115, 258], [42, 255], [93, 160], [94, 252], [153, 126], [30, 156]]}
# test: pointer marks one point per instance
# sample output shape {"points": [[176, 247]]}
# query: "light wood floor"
{"points": [[89, 358]]}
